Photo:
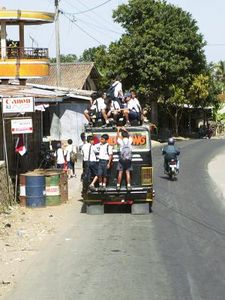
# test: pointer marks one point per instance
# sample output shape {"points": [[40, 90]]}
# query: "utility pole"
{"points": [[57, 39]]}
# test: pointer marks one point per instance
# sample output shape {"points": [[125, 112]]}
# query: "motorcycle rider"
{"points": [[170, 151]]}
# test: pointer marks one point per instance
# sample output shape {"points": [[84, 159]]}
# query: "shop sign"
{"points": [[18, 105], [19, 126]]}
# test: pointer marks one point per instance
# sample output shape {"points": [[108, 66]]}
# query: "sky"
{"points": [[80, 30]]}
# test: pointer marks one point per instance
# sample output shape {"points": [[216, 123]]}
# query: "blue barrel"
{"points": [[35, 190]]}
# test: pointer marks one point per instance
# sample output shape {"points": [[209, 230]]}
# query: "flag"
{"points": [[20, 147]]}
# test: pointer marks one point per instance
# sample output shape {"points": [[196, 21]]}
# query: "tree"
{"points": [[98, 55], [161, 47], [175, 105], [203, 92], [68, 58]]}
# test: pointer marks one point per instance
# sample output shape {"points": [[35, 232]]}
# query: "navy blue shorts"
{"points": [[133, 115], [102, 168]]}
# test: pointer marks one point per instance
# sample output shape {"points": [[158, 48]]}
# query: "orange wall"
{"points": [[23, 68]]}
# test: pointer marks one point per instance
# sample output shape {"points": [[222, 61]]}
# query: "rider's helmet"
{"points": [[171, 141]]}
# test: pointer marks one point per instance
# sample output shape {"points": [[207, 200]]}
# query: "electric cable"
{"points": [[91, 24], [83, 30]]}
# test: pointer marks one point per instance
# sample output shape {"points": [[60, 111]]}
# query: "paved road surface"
{"points": [[177, 252]]}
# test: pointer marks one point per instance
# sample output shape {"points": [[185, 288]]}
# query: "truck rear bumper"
{"points": [[112, 196]]}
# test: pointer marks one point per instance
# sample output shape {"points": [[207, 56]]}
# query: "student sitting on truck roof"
{"points": [[132, 109], [96, 109], [114, 110]]}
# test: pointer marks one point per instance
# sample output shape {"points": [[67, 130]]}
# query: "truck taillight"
{"points": [[146, 175]]}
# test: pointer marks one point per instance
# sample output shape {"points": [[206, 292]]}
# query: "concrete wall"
{"points": [[67, 121]]}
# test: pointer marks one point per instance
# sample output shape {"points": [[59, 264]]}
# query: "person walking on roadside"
{"points": [[125, 157], [60, 158], [71, 158]]}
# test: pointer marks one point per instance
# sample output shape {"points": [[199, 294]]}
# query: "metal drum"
{"points": [[35, 190], [52, 189]]}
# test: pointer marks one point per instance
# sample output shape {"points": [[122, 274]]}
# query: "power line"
{"points": [[73, 22], [100, 18], [92, 24], [93, 8]]}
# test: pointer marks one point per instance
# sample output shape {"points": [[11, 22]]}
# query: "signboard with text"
{"points": [[21, 126], [18, 105]]}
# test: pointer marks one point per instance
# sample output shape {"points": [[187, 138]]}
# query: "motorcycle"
{"points": [[47, 159], [173, 168]]}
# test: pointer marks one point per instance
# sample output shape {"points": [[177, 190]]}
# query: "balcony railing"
{"points": [[26, 53]]}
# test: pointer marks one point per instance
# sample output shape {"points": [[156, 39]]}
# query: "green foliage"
{"points": [[68, 58], [161, 47], [99, 56], [199, 91]]}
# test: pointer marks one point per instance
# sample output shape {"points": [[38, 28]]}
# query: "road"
{"points": [[177, 252]]}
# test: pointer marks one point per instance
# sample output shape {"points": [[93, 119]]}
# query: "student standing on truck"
{"points": [[125, 157], [105, 160], [90, 165]]}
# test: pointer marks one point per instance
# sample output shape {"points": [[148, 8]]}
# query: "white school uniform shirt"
{"points": [[124, 141], [60, 156], [104, 151], [68, 150], [101, 104], [85, 152], [114, 106], [133, 105], [118, 91]]}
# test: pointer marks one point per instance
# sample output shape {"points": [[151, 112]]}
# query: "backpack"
{"points": [[126, 151], [110, 92], [73, 156]]}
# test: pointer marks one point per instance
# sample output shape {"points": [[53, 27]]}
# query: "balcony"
{"points": [[26, 53], [24, 63]]}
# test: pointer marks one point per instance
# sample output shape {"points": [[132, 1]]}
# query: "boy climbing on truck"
{"points": [[125, 157]]}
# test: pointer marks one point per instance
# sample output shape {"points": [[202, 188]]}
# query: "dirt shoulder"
{"points": [[24, 232]]}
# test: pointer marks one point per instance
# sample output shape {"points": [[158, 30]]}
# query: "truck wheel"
{"points": [[95, 209], [140, 209]]}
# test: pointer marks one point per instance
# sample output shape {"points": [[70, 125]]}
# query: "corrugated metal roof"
{"points": [[73, 75], [43, 92]]}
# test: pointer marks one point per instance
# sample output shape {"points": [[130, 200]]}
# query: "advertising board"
{"points": [[21, 126], [18, 105]]}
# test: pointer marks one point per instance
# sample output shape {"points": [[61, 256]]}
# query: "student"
{"points": [[71, 157], [97, 109], [60, 159], [90, 165], [132, 109], [125, 157], [105, 160], [115, 91], [114, 111]]}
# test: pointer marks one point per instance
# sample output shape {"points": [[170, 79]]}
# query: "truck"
{"points": [[140, 198]]}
